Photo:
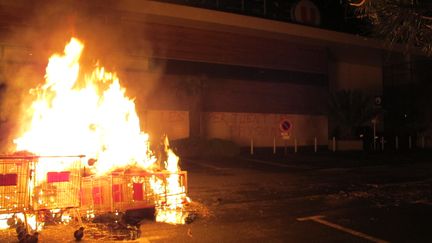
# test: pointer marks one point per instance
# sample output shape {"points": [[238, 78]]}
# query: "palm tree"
{"points": [[350, 109], [192, 88], [406, 22]]}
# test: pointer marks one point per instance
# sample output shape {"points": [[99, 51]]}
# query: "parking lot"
{"points": [[296, 198], [307, 198]]}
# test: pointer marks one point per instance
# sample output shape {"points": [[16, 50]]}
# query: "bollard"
{"points": [[252, 147], [274, 145], [396, 142], [334, 144], [295, 145], [374, 121], [315, 145]]}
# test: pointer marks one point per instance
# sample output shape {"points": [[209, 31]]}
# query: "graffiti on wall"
{"points": [[246, 124], [264, 128], [175, 124]]}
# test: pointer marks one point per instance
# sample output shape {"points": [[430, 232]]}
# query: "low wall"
{"points": [[264, 128], [239, 127], [157, 123]]}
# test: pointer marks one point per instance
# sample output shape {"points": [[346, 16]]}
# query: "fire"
{"points": [[7, 220], [70, 120], [89, 114], [170, 204], [4, 220]]}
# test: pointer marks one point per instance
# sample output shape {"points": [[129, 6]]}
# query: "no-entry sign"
{"points": [[285, 127]]}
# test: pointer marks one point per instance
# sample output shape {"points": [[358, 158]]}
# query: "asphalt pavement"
{"points": [[304, 197], [344, 197]]}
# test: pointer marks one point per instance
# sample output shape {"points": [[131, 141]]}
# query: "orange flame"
{"points": [[170, 204], [75, 114], [33, 224], [69, 120]]}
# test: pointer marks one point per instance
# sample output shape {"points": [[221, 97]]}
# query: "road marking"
{"points": [[155, 237], [318, 219], [143, 240], [149, 239]]}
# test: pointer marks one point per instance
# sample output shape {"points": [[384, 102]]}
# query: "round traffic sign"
{"points": [[306, 12], [285, 126], [378, 100]]}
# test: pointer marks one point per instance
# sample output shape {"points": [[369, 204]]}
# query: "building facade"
{"points": [[247, 74]]}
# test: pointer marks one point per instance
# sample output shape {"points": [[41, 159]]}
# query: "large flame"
{"points": [[75, 114], [97, 120]]}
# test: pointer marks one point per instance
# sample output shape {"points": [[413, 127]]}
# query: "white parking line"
{"points": [[318, 219], [153, 238]]}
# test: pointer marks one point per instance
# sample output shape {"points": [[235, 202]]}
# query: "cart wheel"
{"points": [[138, 232], [21, 234], [21, 230], [32, 238], [20, 227], [132, 235], [79, 234]]}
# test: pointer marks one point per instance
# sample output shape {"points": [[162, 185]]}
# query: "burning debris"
{"points": [[88, 114]]}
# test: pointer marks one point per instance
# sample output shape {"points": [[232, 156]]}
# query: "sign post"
{"points": [[374, 122], [285, 127], [315, 144]]}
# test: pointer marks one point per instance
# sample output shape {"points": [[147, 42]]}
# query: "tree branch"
{"points": [[357, 4]]}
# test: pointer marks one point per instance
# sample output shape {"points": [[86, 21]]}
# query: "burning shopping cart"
{"points": [[14, 184], [56, 183], [32, 187], [123, 191]]}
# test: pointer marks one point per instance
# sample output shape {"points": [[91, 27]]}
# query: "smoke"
{"points": [[42, 28]]}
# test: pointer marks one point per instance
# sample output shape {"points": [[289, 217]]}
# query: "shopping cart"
{"points": [[55, 188], [126, 190], [95, 194], [56, 183], [14, 181], [32, 186], [165, 194], [116, 192]]}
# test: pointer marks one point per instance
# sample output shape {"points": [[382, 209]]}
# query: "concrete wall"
{"points": [[157, 123], [263, 128], [238, 127], [265, 97], [344, 75]]}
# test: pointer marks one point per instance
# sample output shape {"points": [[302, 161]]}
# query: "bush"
{"points": [[205, 148]]}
